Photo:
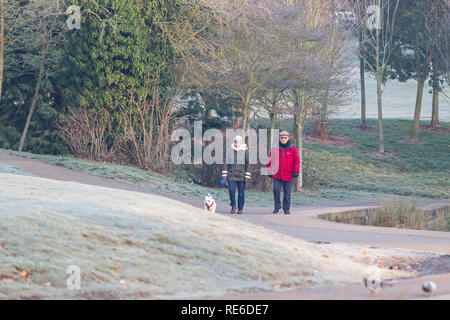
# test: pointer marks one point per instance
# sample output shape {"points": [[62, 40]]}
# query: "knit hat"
{"points": [[284, 133], [237, 138]]}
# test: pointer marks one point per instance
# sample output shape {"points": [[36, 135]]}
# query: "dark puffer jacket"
{"points": [[236, 167]]}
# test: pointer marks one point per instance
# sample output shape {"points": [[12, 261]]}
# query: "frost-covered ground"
{"points": [[135, 245], [4, 168]]}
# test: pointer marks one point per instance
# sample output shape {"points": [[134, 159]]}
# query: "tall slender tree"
{"points": [[413, 55], [242, 49], [377, 19], [440, 71], [11, 20], [45, 25]]}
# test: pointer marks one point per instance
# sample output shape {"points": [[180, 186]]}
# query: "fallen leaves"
{"points": [[8, 280]]}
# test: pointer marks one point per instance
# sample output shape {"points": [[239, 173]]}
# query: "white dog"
{"points": [[210, 204]]}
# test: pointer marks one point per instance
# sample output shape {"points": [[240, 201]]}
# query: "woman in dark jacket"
{"points": [[236, 171]]}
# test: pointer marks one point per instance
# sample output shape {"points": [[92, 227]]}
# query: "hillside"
{"points": [[134, 245]]}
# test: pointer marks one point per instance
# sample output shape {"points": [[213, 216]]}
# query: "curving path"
{"points": [[303, 223]]}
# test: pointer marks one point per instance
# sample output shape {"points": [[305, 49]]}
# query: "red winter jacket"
{"points": [[289, 162]]}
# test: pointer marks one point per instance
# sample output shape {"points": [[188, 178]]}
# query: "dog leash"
{"points": [[218, 193]]}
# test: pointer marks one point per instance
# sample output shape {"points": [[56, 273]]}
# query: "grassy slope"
{"points": [[336, 174], [134, 245]]}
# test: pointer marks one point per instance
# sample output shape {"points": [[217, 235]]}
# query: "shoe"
{"points": [[233, 209], [287, 212], [275, 210], [240, 212]]}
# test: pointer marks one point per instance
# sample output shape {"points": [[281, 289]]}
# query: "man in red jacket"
{"points": [[283, 166]]}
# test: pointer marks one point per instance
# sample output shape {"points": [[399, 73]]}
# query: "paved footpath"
{"points": [[303, 223]]}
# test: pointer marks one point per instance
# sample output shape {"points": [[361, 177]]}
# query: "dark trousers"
{"points": [[286, 194], [240, 185]]}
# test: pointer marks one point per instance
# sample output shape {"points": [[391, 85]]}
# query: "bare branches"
{"points": [[88, 135], [147, 124]]}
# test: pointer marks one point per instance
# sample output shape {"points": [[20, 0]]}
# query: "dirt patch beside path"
{"points": [[364, 129], [437, 129], [333, 140], [382, 155], [411, 141]]}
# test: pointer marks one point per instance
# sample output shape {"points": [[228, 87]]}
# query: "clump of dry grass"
{"points": [[438, 219], [399, 214]]}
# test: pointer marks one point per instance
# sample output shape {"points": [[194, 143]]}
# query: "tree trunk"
{"points": [[208, 115], [245, 114], [2, 43], [435, 111], [435, 108], [34, 101], [299, 137], [363, 85], [420, 86], [273, 117], [380, 116], [237, 120], [323, 124], [379, 76], [322, 132]]}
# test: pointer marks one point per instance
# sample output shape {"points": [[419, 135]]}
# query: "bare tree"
{"points": [[242, 50], [316, 80], [378, 19], [334, 52], [11, 20], [440, 63], [147, 124], [87, 134], [44, 29], [2, 42]]}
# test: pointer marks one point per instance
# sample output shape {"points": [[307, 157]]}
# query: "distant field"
{"points": [[398, 101]]}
